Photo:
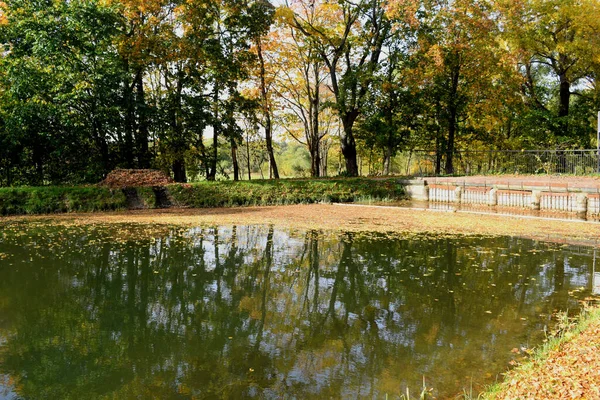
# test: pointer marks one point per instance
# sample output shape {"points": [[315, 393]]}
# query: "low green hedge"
{"points": [[53, 199], [271, 192], [58, 199]]}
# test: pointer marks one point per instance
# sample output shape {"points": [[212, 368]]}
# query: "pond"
{"points": [[263, 312]]}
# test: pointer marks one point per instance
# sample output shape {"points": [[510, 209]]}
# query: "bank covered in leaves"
{"points": [[566, 367]]}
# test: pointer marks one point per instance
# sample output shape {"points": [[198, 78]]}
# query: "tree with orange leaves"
{"points": [[556, 44], [457, 66], [349, 39]]}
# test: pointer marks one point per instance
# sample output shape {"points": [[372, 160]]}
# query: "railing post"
{"points": [[598, 143], [492, 199], [536, 199], [458, 191], [582, 203]]}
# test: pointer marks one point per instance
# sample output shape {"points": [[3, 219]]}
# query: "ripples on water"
{"points": [[248, 311]]}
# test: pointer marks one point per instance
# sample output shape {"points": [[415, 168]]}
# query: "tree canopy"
{"points": [[209, 89]]}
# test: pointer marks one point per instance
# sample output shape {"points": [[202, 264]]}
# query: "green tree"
{"points": [[349, 38], [457, 65], [557, 46], [60, 82]]}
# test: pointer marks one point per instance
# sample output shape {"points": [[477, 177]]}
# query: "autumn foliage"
{"points": [[215, 89]]}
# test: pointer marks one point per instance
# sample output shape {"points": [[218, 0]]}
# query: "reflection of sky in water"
{"points": [[286, 246], [6, 392], [313, 313]]}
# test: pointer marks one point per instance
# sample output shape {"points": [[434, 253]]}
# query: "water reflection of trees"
{"points": [[253, 311]]}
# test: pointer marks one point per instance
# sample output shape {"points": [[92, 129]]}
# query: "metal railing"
{"points": [[491, 162]]}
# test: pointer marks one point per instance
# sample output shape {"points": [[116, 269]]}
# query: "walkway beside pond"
{"points": [[516, 181], [575, 194]]}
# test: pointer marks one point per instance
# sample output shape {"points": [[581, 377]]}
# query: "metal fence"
{"points": [[489, 162]]}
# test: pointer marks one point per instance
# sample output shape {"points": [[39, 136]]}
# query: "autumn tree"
{"points": [[392, 107], [457, 69], [219, 35], [349, 40], [557, 44], [301, 85], [144, 31], [265, 71]]}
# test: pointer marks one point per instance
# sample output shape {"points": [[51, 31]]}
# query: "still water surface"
{"points": [[261, 312]]}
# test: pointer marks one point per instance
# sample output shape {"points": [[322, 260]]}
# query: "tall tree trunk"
{"points": [[179, 172], [128, 109], [315, 134], [324, 148], [143, 156], [234, 160], [202, 148], [348, 145], [452, 116], [102, 145], [563, 107], [565, 96], [269, 141], [315, 159], [266, 112], [450, 143], [387, 159], [212, 172], [248, 157]]}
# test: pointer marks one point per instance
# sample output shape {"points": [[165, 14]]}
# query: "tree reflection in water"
{"points": [[252, 311]]}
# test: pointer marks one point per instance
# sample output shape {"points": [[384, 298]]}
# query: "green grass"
{"points": [[55, 199], [269, 192], [59, 199], [147, 195]]}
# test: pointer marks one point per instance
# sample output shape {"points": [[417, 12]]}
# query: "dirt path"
{"points": [[351, 218], [558, 181]]}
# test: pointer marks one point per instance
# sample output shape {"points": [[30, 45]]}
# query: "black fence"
{"points": [[490, 162]]}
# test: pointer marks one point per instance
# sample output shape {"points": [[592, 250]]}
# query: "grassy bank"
{"points": [[269, 192], [58, 199], [566, 366], [48, 200]]}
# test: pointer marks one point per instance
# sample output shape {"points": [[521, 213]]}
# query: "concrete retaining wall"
{"points": [[555, 197], [594, 204]]}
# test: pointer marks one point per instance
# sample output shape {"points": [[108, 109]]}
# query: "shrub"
{"points": [[55, 199]]}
